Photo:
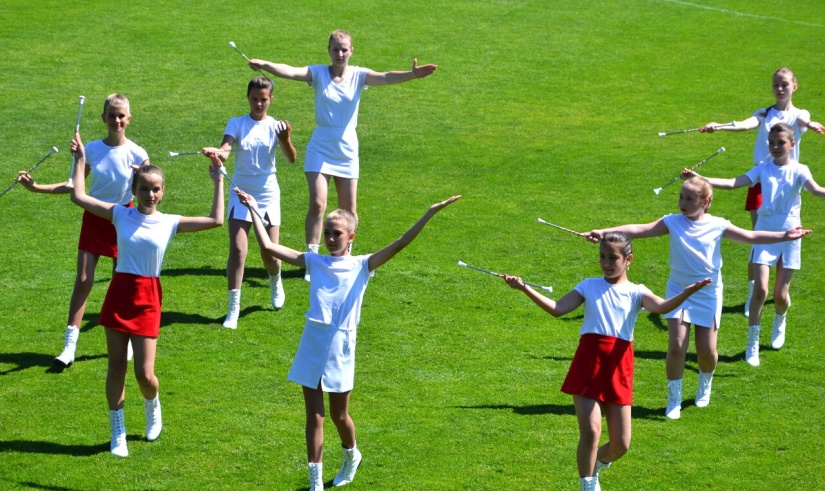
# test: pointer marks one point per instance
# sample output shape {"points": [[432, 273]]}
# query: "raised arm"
{"points": [[276, 250], [657, 305], [394, 248], [397, 77], [564, 305], [285, 139], [745, 125], [742, 236], [733, 183], [215, 218], [78, 192], [635, 231], [281, 70]]}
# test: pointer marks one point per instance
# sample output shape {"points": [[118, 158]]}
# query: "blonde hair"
{"points": [[703, 188], [339, 35], [785, 71], [345, 216], [116, 100], [783, 129]]}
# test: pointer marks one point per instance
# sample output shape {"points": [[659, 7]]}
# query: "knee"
{"points": [[317, 206], [619, 448], [145, 378], [590, 434]]}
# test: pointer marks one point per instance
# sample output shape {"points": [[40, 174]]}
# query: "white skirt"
{"points": [[267, 194], [769, 254], [325, 354], [703, 308], [333, 152]]}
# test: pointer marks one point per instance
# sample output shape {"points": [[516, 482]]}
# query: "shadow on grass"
{"points": [[168, 318], [22, 446], [637, 412], [28, 360], [256, 275], [34, 485]]}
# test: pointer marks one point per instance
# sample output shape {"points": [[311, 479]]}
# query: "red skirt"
{"points": [[602, 370], [98, 235], [132, 305], [754, 199]]}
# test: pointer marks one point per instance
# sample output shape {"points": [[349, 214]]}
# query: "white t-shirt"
{"points": [[336, 104], [255, 144], [142, 240], [781, 187], [767, 119], [336, 289], [696, 245], [111, 170], [610, 310]]}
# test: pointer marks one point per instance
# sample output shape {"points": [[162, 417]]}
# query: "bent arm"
{"points": [[657, 305], [285, 140], [387, 253], [564, 305], [277, 251], [282, 70], [78, 192]]}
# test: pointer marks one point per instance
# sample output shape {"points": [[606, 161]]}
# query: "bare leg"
{"points": [[781, 288], [678, 340], [145, 349], [706, 352], [338, 409], [238, 243], [314, 429], [618, 429], [347, 190], [83, 283], [589, 416], [318, 188], [760, 293], [116, 345]]}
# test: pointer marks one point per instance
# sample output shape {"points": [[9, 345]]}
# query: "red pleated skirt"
{"points": [[132, 305], [602, 369], [98, 235], [754, 199]]}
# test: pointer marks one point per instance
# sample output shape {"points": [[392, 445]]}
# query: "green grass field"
{"points": [[538, 109]]}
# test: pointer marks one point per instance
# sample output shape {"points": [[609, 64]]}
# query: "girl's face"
{"points": [[783, 86], [259, 100], [613, 262], [337, 237], [780, 146], [691, 204], [116, 118], [148, 188], [339, 52]]}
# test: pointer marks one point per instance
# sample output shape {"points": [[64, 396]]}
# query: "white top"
{"points": [[781, 187], [767, 119], [255, 144], [142, 240], [111, 170], [336, 289], [696, 245], [610, 310]]}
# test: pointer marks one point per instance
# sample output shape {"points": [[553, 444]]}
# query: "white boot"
{"points": [[154, 421], [750, 295], [276, 288], [352, 459], [588, 483], [231, 321], [703, 391], [778, 333], [316, 476], [674, 399], [118, 429], [752, 350], [66, 357], [600, 466], [130, 353]]}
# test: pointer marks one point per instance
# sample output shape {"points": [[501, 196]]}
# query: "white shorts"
{"points": [[266, 192], [769, 254], [325, 354]]}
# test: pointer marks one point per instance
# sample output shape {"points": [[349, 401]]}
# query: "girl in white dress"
{"points": [[695, 253], [783, 180], [600, 378], [325, 361], [333, 149]]}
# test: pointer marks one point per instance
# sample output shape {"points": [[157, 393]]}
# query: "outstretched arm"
{"points": [[391, 250], [742, 236], [276, 250], [564, 305], [814, 188], [215, 218], [745, 125], [657, 305], [281, 70], [636, 231], [78, 192], [27, 181], [736, 182], [396, 77]]}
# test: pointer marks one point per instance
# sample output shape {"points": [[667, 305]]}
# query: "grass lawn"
{"points": [[538, 109]]}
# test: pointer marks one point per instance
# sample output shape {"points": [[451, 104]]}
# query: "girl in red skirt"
{"points": [[131, 309], [601, 374]]}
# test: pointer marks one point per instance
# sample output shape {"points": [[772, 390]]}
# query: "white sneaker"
{"points": [[674, 399], [276, 288], [588, 483], [130, 353], [66, 357], [600, 466], [316, 476], [154, 421], [778, 333], [352, 459], [752, 350], [748, 299], [703, 391], [231, 321], [118, 428]]}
